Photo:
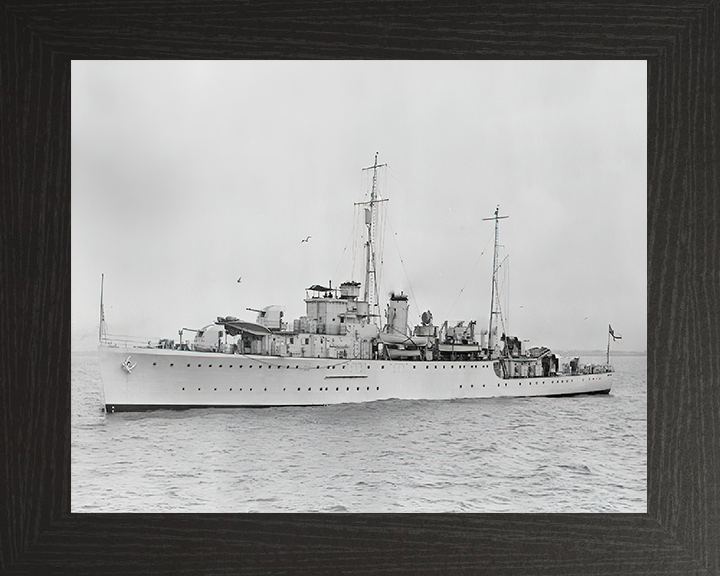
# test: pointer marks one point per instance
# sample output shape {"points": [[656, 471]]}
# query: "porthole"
{"points": [[198, 389], [336, 389], [209, 365], [230, 389], [199, 365], [183, 388], [259, 366], [309, 389], [358, 388], [188, 365], [283, 389], [377, 388], [298, 389], [154, 363], [250, 389], [347, 389], [460, 385], [171, 364], [382, 367], [368, 388], [220, 366], [414, 367], [230, 366], [265, 390], [215, 389], [279, 367]]}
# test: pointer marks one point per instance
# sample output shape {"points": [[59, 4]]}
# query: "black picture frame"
{"points": [[680, 532]]}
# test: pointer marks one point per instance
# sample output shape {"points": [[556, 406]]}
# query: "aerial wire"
{"points": [[352, 235], [469, 276], [402, 263]]}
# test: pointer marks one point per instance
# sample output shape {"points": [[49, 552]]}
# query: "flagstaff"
{"points": [[102, 330], [614, 337]]}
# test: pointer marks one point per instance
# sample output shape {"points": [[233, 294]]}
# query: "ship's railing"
{"points": [[120, 341], [116, 341]]}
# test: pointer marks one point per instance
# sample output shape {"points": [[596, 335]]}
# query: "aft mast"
{"points": [[371, 223], [495, 293]]}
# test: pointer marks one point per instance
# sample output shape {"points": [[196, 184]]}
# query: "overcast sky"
{"points": [[188, 175]]}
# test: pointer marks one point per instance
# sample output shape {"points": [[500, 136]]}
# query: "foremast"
{"points": [[371, 289], [495, 293]]}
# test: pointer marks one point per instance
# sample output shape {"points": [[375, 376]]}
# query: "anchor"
{"points": [[127, 366]]}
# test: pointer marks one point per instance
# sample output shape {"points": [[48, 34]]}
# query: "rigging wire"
{"points": [[507, 294], [505, 321], [469, 276], [359, 215], [380, 220], [402, 262], [354, 245], [352, 235], [405, 188], [397, 247], [380, 254]]}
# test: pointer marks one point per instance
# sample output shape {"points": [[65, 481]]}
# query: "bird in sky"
{"points": [[306, 239]]}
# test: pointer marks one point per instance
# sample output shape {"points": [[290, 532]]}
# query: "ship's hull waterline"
{"points": [[174, 379]]}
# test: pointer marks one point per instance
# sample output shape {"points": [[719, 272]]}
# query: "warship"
{"points": [[341, 351]]}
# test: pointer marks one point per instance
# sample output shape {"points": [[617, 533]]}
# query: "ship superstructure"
{"points": [[341, 350]]}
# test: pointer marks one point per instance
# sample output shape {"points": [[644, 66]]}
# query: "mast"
{"points": [[495, 293], [371, 223], [102, 331]]}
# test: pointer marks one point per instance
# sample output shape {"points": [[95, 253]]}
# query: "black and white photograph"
{"points": [[359, 286]]}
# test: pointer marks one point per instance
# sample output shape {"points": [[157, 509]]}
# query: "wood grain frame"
{"points": [[681, 531]]}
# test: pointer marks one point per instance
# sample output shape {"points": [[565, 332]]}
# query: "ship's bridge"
{"points": [[330, 311]]}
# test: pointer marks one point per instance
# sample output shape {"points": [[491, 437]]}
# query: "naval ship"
{"points": [[341, 351]]}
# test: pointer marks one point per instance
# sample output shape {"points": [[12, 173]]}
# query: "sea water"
{"points": [[567, 454]]}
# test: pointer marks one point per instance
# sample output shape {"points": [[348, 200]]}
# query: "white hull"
{"points": [[174, 379]]}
